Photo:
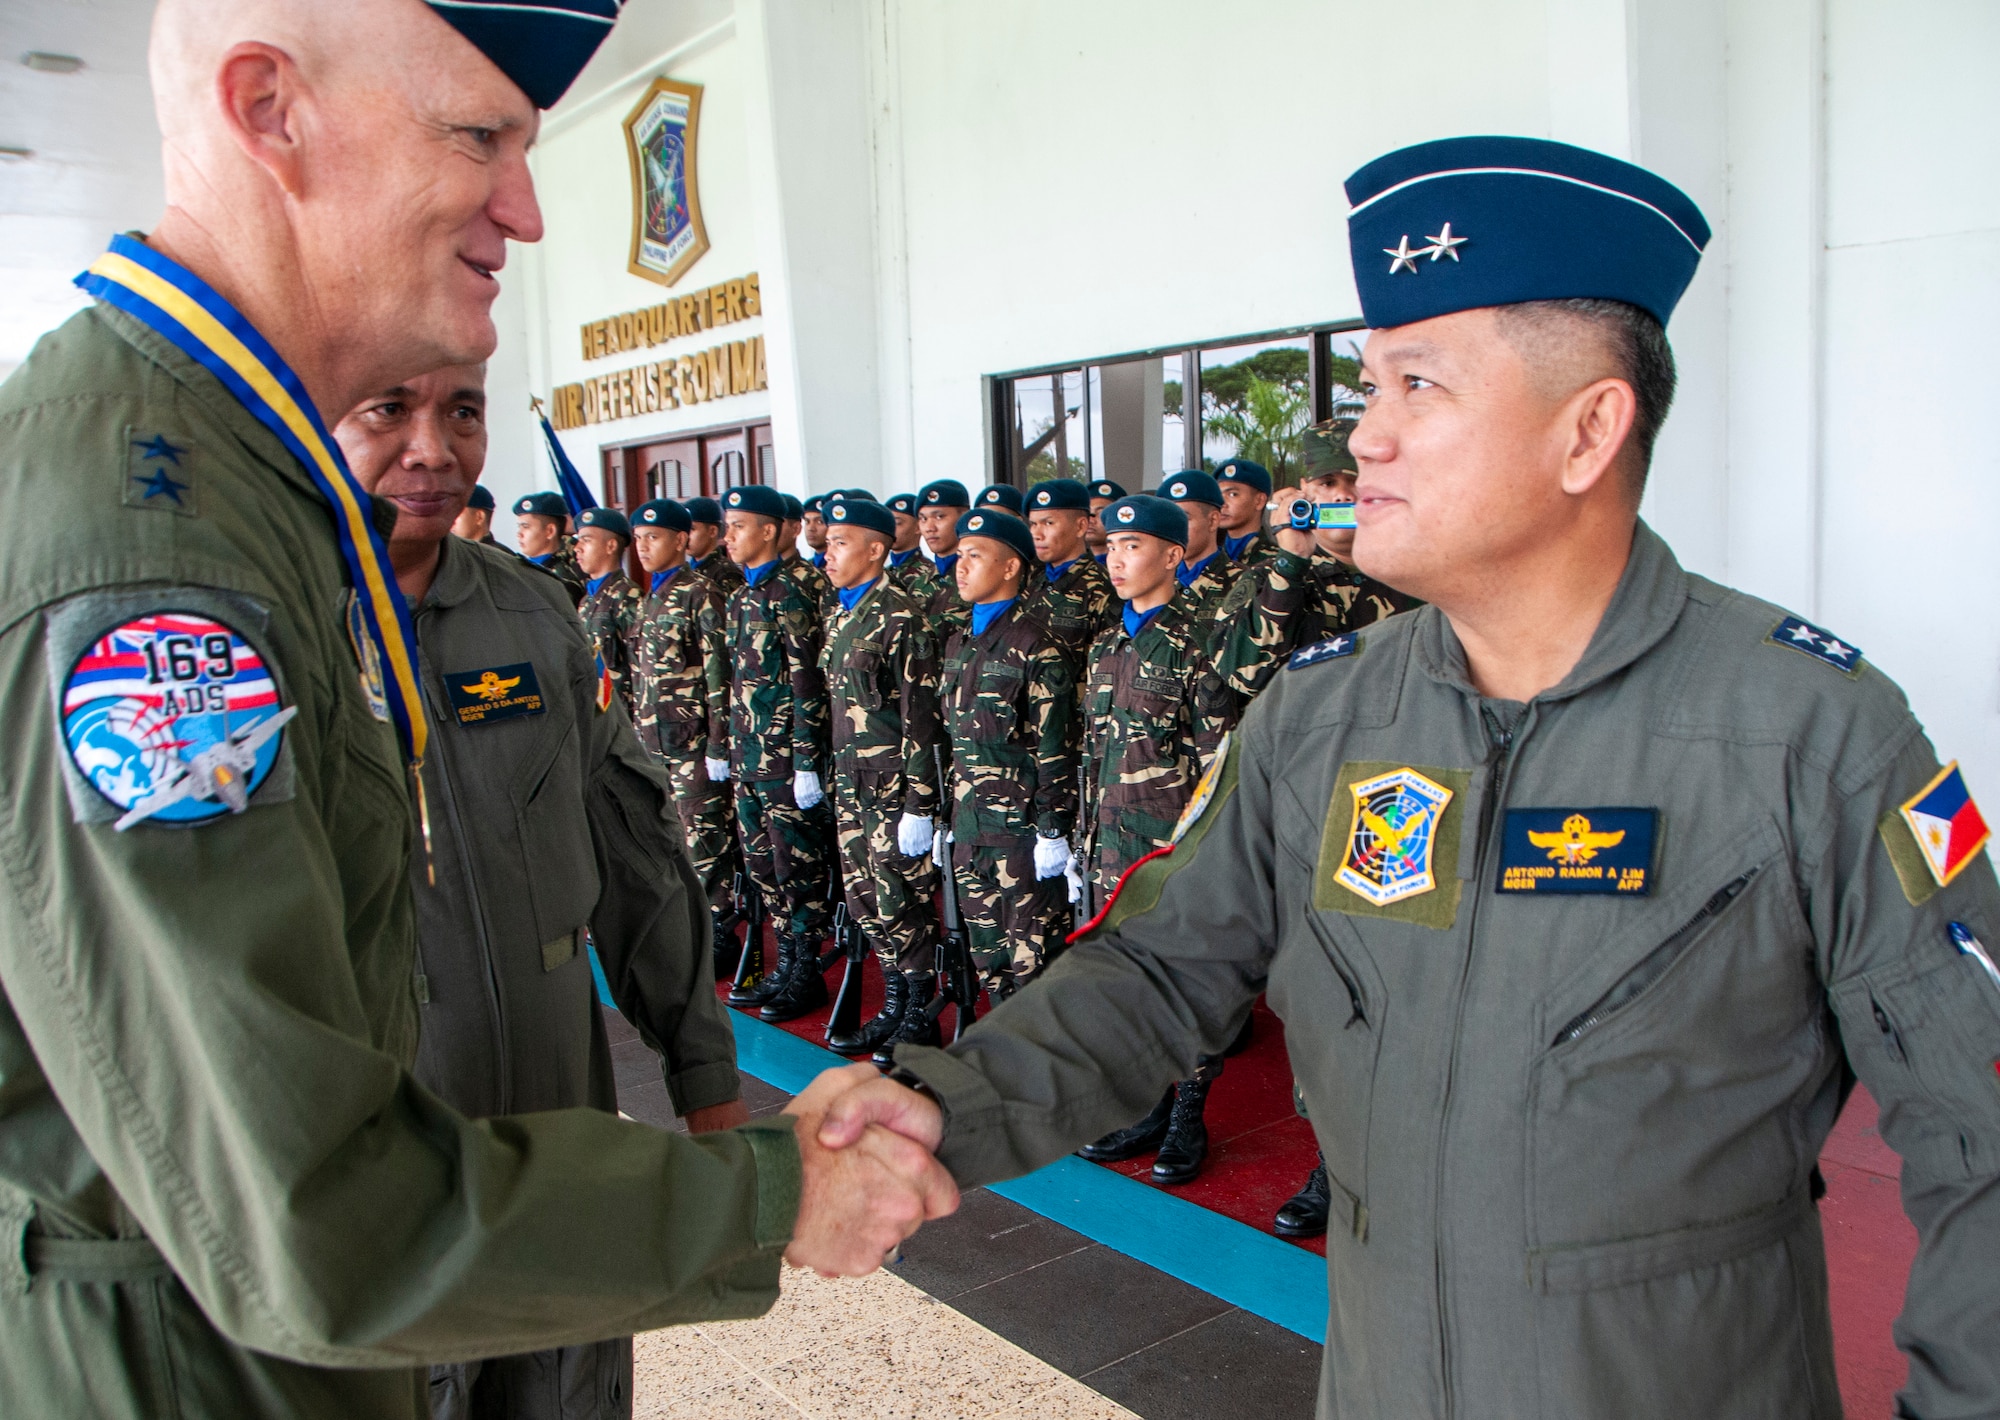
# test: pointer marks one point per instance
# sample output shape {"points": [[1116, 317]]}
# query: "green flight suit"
{"points": [[222, 1192], [1570, 1136]]}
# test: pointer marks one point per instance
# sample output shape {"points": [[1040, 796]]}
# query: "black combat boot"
{"points": [[801, 991], [917, 1026], [1134, 1139], [1186, 1144], [773, 979], [873, 1033], [1304, 1213], [726, 945]]}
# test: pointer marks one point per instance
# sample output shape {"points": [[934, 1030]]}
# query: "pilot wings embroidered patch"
{"points": [[1578, 851]]}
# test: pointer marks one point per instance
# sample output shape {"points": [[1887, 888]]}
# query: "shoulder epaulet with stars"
{"points": [[1331, 649], [1800, 635]]}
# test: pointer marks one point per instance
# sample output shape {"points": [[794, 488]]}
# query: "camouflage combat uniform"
{"points": [[1076, 606], [881, 672], [1291, 602], [1213, 583], [611, 615], [946, 609], [681, 684], [563, 566], [778, 724], [725, 576], [1008, 697], [1155, 710], [1353, 598]]}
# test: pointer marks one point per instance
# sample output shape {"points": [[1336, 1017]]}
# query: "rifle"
{"points": [[1085, 906], [749, 905], [849, 940], [957, 980]]}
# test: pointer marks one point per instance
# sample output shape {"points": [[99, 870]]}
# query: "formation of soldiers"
{"points": [[1034, 702]]}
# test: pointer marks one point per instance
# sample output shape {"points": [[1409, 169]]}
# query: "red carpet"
{"points": [[1260, 1152]]}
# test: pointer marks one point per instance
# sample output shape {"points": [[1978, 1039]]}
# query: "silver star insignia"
{"points": [[1443, 244], [1837, 650], [1406, 255], [1802, 633]]}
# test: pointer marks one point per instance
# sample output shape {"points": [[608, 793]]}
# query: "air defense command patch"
{"points": [[1578, 851], [1796, 634], [172, 716], [1392, 837], [485, 697]]}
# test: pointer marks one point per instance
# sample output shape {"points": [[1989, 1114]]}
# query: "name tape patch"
{"points": [[1578, 851], [497, 693]]}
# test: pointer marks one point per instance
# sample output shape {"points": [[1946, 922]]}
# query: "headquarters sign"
{"points": [[667, 235]]}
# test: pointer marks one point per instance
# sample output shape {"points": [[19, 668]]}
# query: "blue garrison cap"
{"points": [[944, 493], [904, 503], [1105, 488], [605, 520], [482, 498], [758, 499], [662, 513], [1469, 222], [1191, 486], [862, 513], [1000, 495], [545, 504], [1063, 494], [542, 45], [1143, 513], [1244, 471], [1002, 526], [704, 510]]}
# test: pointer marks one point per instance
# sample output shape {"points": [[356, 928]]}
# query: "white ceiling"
{"points": [[96, 163]]}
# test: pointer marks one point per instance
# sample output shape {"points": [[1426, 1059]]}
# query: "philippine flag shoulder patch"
{"points": [[1946, 823]]}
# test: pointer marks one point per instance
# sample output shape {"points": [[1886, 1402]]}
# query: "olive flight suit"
{"points": [[222, 1191], [1574, 990], [527, 850]]}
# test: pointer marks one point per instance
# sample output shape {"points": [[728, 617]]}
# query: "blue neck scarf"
{"points": [[1100, 556], [1137, 621], [946, 563], [818, 560], [544, 560], [1235, 546], [755, 575], [1055, 572], [590, 587], [897, 559], [851, 596], [984, 614], [1187, 573], [660, 578]]}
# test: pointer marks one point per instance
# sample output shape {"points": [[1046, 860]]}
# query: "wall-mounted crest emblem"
{"points": [[667, 235]]}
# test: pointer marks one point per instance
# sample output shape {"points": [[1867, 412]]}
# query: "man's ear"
{"points": [[259, 90], [1597, 422]]}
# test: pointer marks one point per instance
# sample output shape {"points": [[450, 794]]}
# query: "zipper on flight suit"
{"points": [[1499, 759], [1653, 965]]}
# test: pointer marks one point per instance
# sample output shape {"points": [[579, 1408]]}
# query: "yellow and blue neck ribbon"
{"points": [[182, 307]]}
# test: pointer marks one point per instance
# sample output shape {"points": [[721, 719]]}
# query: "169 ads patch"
{"points": [[1578, 850], [170, 715]]}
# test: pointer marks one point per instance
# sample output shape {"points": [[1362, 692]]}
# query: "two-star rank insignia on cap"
{"points": [[1330, 649], [1946, 823], [1801, 635]]}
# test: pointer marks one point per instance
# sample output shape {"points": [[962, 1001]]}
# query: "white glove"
{"points": [[941, 850], [913, 835], [1051, 856], [718, 770], [1075, 876], [805, 789]]}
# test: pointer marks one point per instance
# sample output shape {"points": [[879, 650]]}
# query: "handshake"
{"points": [[868, 1178]]}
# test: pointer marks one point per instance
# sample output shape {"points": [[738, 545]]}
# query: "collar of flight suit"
{"points": [[1648, 601], [456, 577]]}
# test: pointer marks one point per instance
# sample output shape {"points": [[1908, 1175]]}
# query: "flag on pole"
{"points": [[574, 491]]}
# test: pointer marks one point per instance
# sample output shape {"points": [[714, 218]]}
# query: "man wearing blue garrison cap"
{"points": [[1586, 891], [223, 1191]]}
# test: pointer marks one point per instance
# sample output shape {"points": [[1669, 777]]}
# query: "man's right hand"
{"points": [[858, 1202]]}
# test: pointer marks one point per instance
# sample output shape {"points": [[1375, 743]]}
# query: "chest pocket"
{"points": [[864, 675], [988, 700]]}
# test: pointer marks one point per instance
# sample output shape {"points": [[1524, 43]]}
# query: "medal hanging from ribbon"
{"points": [[172, 300]]}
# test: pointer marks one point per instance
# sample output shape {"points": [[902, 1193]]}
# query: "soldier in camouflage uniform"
{"points": [[680, 674], [940, 504], [610, 608], [881, 670], [1103, 494], [1155, 712], [777, 743], [705, 553], [1008, 695], [1246, 494], [540, 523], [907, 565], [812, 523], [1070, 592], [1206, 573]]}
